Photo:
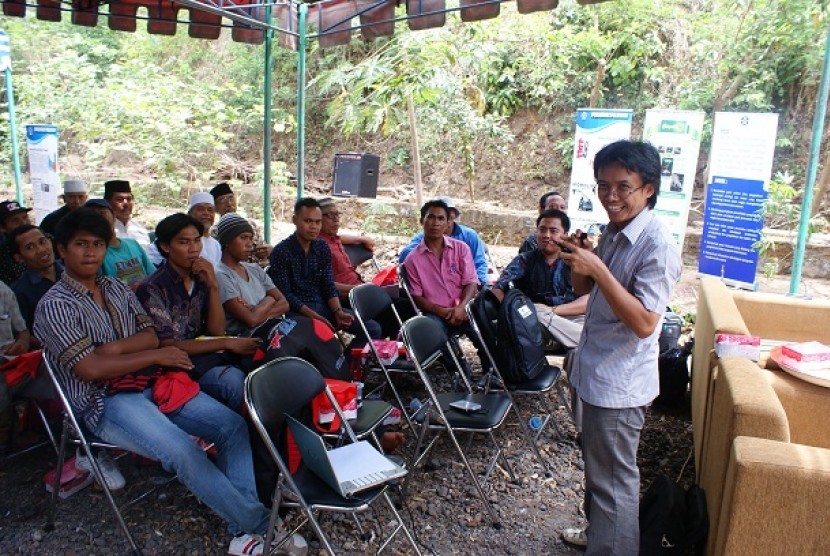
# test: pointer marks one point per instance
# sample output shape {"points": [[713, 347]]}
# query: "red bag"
{"points": [[323, 414], [24, 364], [387, 276]]}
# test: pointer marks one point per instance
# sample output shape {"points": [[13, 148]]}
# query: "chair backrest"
{"points": [[403, 281], [357, 252], [424, 339], [369, 301], [282, 386]]}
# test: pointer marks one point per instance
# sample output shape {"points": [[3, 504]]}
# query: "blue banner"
{"points": [[732, 225]]}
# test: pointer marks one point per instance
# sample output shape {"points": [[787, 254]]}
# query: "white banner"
{"points": [[42, 143], [595, 128], [676, 134]]}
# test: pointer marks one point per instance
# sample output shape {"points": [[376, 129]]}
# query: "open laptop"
{"points": [[349, 469]]}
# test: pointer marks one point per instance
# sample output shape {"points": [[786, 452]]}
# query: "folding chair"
{"points": [[403, 282], [75, 435], [426, 341], [368, 301], [283, 387], [358, 254], [483, 317]]}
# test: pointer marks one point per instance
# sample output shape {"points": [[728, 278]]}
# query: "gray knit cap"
{"points": [[230, 226]]}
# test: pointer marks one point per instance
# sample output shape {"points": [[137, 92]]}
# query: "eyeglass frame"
{"points": [[619, 192]]}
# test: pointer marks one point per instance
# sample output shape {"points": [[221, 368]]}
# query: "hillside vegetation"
{"points": [[493, 101]]}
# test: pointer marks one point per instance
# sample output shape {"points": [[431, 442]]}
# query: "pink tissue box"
{"points": [[738, 345], [807, 352]]}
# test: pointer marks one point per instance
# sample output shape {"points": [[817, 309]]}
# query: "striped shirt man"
{"points": [[70, 325]]}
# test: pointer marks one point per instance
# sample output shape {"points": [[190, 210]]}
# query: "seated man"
{"points": [[225, 202], [301, 267], [96, 334], [31, 247], [182, 298], [459, 232], [119, 194], [549, 201], [74, 197], [441, 274], [12, 216], [14, 334], [346, 276], [125, 259], [546, 280]]}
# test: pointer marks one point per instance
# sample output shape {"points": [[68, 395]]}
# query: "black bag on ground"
{"points": [[518, 354], [672, 521], [674, 375]]}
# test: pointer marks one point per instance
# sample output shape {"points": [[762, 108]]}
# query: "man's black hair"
{"points": [[170, 226], [638, 157], [433, 204], [82, 220], [543, 200], [556, 213], [17, 232], [307, 202]]}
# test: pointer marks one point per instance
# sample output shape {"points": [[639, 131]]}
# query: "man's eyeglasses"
{"points": [[623, 191], [332, 215]]}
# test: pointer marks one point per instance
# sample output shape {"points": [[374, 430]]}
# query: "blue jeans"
{"points": [[131, 420], [224, 383]]}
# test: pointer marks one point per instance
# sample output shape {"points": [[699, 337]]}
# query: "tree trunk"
{"points": [[821, 185], [596, 90], [416, 151]]}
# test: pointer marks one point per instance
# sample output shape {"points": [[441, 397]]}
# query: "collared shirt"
{"points": [[10, 269], [133, 230], [442, 282], [252, 291], [128, 262], [11, 321], [50, 221], [177, 314], [30, 288], [530, 273], [341, 266], [461, 233], [302, 278], [70, 325], [529, 244], [211, 250], [614, 368]]}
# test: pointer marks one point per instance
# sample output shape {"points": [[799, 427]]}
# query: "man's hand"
{"points": [[173, 357], [367, 242], [582, 261], [457, 315], [203, 271], [242, 346], [343, 319], [19, 347], [262, 251]]}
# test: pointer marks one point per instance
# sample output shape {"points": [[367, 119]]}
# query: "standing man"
{"points": [[551, 200], [74, 197], [12, 215], [301, 270], [119, 194], [225, 201], [459, 232], [32, 248], [614, 373], [182, 298]]}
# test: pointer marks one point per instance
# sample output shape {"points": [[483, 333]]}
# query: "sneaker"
{"points": [[113, 477], [246, 545], [575, 537]]}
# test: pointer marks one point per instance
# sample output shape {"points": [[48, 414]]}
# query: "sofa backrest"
{"points": [[780, 317], [716, 313], [743, 404]]}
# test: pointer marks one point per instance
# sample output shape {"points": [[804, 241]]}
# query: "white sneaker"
{"points": [[112, 475], [575, 537], [246, 545]]}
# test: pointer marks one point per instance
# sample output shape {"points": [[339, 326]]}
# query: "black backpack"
{"points": [[518, 347], [672, 521]]}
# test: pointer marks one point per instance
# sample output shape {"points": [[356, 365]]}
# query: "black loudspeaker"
{"points": [[356, 175]]}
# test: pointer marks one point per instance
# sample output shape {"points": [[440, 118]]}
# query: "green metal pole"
{"points": [[301, 59], [812, 168], [266, 127], [13, 125]]}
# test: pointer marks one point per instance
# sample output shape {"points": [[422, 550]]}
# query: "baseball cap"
{"points": [[8, 208], [450, 203]]}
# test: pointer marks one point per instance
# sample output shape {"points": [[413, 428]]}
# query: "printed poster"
{"points": [[42, 143], [740, 166], [595, 128], [676, 134]]}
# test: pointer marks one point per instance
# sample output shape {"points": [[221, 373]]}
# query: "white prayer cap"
{"points": [[74, 186], [200, 198]]}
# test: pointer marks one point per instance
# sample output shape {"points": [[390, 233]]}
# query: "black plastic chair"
{"points": [[283, 387], [426, 342], [358, 254]]}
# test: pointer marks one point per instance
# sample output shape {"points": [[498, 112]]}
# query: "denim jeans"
{"points": [[131, 420], [224, 383]]}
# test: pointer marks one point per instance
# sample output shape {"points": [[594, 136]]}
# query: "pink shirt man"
{"points": [[441, 281]]}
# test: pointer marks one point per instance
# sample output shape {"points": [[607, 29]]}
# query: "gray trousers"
{"points": [[565, 331], [612, 479]]}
